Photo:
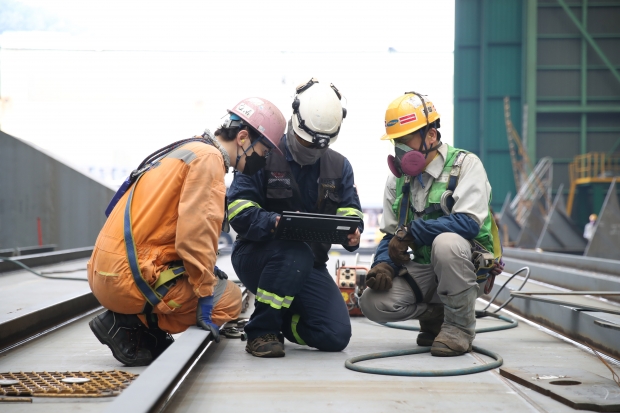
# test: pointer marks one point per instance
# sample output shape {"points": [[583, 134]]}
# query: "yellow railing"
{"points": [[589, 168], [594, 166]]}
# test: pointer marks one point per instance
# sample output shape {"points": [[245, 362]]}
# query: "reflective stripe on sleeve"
{"points": [[239, 205], [346, 212], [273, 300]]}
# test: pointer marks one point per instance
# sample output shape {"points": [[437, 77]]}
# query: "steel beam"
{"points": [[533, 226], [578, 109], [36, 260], [507, 221], [584, 80], [569, 321], [605, 242], [149, 392], [577, 262], [590, 40], [531, 76], [565, 277], [36, 321], [559, 233]]}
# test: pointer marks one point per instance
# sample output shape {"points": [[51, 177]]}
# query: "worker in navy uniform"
{"points": [[296, 297]]}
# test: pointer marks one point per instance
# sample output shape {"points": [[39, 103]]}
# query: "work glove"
{"points": [[495, 271], [399, 244], [380, 277], [220, 274], [203, 317]]}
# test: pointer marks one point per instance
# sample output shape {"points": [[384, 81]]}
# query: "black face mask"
{"points": [[253, 164]]}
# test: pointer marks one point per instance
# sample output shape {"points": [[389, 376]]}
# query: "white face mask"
{"points": [[301, 154]]}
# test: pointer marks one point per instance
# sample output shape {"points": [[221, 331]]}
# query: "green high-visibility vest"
{"points": [[487, 237]]}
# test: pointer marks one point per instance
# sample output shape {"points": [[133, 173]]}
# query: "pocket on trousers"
{"points": [[117, 292]]}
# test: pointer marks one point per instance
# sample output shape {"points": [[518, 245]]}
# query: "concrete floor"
{"points": [[229, 379]]}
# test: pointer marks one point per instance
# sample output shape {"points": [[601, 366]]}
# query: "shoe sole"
{"points": [[447, 352], [100, 332], [266, 354]]}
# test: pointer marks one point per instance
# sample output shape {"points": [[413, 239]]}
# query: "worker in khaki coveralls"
{"points": [[436, 203], [153, 266]]}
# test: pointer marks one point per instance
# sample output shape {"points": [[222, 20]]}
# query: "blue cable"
{"points": [[498, 361]]}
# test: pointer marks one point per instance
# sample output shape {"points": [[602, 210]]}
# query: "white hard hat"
{"points": [[317, 113]]}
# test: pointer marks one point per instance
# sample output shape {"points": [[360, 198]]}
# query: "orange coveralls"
{"points": [[177, 213]]}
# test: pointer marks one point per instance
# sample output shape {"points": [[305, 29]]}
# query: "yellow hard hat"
{"points": [[593, 217], [406, 114]]}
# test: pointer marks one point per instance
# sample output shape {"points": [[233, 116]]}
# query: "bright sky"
{"points": [[135, 75]]}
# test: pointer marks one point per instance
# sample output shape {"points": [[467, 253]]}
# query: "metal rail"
{"points": [[577, 321], [598, 265], [47, 258], [158, 383]]}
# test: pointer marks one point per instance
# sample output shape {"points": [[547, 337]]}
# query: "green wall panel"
{"points": [[534, 52], [487, 67]]}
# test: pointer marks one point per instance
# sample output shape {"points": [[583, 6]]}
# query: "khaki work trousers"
{"points": [[450, 272]]}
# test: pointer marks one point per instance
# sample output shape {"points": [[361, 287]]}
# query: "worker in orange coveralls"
{"points": [[153, 265]]}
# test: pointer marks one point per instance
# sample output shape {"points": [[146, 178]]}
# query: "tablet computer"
{"points": [[308, 227]]}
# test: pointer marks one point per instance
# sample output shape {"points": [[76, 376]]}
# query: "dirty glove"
{"points": [[220, 274], [380, 277], [203, 317], [398, 246], [495, 271]]}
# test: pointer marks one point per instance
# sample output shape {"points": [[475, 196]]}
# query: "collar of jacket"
{"points": [[435, 168], [219, 147]]}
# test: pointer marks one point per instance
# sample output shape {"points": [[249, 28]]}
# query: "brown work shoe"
{"points": [[452, 341], [265, 346]]}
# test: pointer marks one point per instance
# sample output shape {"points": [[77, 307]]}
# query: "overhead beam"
{"points": [[590, 40], [578, 109]]}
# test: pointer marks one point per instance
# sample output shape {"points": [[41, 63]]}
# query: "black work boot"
{"points": [[267, 345], [156, 341], [430, 324], [123, 334], [154, 338]]}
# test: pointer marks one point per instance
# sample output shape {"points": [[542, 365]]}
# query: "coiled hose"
{"points": [[498, 361]]}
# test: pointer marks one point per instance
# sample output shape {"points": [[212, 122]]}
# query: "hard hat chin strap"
{"points": [[425, 151]]}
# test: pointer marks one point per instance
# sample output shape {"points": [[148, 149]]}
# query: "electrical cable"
{"points": [[42, 274], [498, 361]]}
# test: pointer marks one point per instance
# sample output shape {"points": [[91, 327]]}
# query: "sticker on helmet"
{"points": [[261, 128], [391, 123], [245, 110], [407, 119], [414, 101]]}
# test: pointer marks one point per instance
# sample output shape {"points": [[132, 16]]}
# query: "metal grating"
{"points": [[50, 384]]}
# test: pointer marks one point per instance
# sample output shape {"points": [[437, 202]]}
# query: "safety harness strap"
{"points": [[404, 202], [455, 173], [417, 292], [430, 209], [132, 254], [168, 275], [154, 294]]}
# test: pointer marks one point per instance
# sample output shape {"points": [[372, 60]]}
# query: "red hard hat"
{"points": [[263, 116]]}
